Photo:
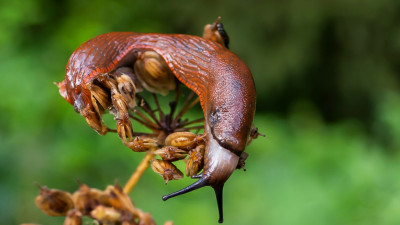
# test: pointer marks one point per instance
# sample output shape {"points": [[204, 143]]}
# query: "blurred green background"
{"points": [[327, 77]]}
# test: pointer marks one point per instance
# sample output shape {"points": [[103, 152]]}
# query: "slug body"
{"points": [[222, 81]]}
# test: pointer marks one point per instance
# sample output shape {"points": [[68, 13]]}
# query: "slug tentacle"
{"points": [[203, 181], [218, 194]]}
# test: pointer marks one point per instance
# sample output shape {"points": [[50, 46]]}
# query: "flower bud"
{"points": [[182, 140], [54, 202], [74, 217], [101, 96], [166, 169], [146, 219], [142, 144], [171, 153], [241, 164], [120, 106], [195, 162], [154, 73], [118, 199], [86, 199], [128, 222], [127, 89], [105, 215]]}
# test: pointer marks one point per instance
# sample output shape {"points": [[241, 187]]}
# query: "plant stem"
{"points": [[138, 172]]}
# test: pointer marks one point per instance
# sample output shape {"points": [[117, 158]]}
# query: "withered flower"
{"points": [[195, 162], [241, 164], [54, 202], [182, 140], [171, 153], [146, 219], [253, 134], [127, 89], [118, 199], [166, 169], [154, 73], [128, 222], [105, 214], [101, 96], [74, 217], [86, 198], [119, 104], [142, 144]]}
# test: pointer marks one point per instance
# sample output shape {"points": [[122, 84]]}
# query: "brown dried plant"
{"points": [[113, 205], [109, 206]]}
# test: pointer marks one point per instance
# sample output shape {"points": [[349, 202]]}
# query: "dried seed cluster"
{"points": [[178, 146], [111, 206]]}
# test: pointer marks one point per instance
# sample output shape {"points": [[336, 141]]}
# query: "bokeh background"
{"points": [[327, 77]]}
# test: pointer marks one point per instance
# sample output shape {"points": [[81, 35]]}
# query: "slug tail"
{"points": [[203, 181]]}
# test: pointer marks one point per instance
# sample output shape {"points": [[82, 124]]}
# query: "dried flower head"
{"points": [[166, 169], [195, 162], [242, 161], [171, 153], [182, 140], [74, 217], [105, 214], [142, 144], [101, 99], [54, 202], [118, 199], [154, 73], [127, 89], [147, 219], [86, 198]]}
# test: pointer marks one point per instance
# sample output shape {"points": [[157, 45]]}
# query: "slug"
{"points": [[222, 81]]}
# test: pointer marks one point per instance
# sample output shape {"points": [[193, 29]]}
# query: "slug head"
{"points": [[85, 105]]}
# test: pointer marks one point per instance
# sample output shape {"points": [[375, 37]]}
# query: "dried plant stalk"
{"points": [[138, 172]]}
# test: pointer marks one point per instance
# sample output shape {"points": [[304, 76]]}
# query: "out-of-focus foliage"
{"points": [[327, 77]]}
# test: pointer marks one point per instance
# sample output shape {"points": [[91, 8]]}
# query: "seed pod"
{"points": [[127, 89], [86, 199], [154, 73], [105, 214], [253, 134], [166, 169], [241, 164], [127, 218], [146, 219], [128, 222], [182, 140], [195, 162], [101, 99], [119, 104], [171, 153], [142, 144], [118, 199], [54, 202], [74, 217]]}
